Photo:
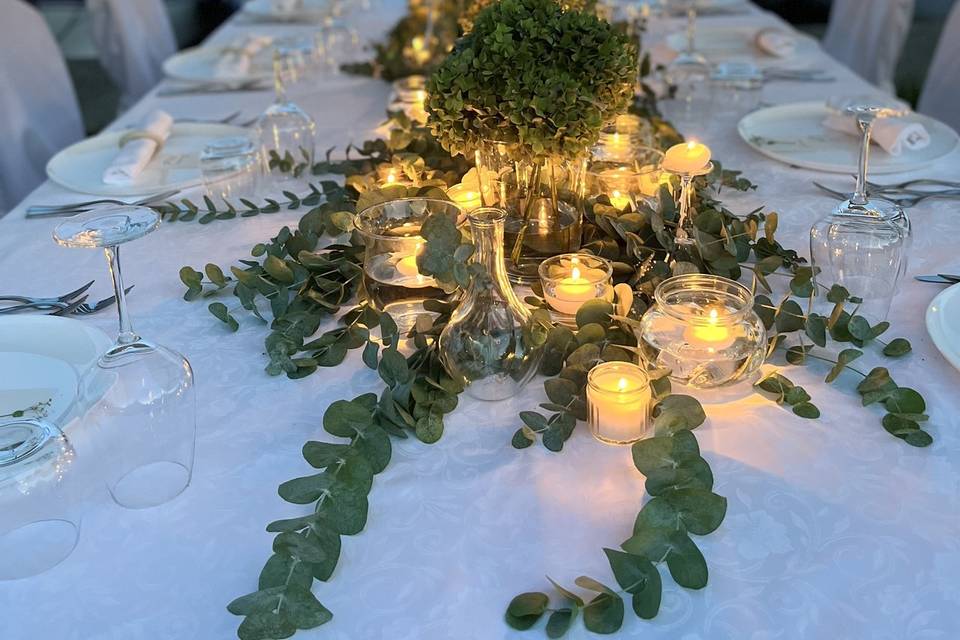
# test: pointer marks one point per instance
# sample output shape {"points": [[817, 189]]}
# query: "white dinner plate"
{"points": [[176, 166], [794, 134], [312, 10], [42, 358], [718, 43], [199, 64], [943, 324]]}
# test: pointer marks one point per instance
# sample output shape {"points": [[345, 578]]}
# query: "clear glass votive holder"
{"points": [[571, 279], [629, 182], [410, 90], [40, 498], [704, 329], [392, 242], [620, 139], [618, 400], [231, 168]]}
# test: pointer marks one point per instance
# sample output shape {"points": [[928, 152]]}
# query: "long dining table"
{"points": [[834, 529]]}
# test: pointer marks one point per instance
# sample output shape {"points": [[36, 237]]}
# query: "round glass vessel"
{"points": [[628, 183], [543, 199], [571, 279], [39, 498], [392, 241], [704, 329], [620, 139], [491, 344]]}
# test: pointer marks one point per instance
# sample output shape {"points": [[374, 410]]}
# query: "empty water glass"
{"points": [[231, 168], [39, 498]]}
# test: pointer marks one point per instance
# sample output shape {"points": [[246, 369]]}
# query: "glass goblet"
{"points": [[142, 395], [286, 132]]}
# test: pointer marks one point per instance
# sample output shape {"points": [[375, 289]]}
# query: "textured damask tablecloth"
{"points": [[834, 529]]}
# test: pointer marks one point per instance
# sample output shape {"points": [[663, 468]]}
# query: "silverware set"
{"points": [[73, 208], [73, 303], [773, 74], [216, 87], [902, 193]]}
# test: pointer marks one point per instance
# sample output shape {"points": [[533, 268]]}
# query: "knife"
{"points": [[940, 278]]}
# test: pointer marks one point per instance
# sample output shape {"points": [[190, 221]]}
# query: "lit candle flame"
{"points": [[575, 274], [391, 177], [622, 384], [713, 316]]}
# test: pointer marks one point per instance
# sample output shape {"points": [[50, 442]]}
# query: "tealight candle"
{"points": [[619, 183], [711, 334], [468, 199], [618, 397], [571, 279], [689, 157]]}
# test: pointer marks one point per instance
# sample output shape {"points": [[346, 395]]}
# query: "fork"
{"points": [[78, 307], [906, 202], [64, 298], [72, 208], [914, 182]]}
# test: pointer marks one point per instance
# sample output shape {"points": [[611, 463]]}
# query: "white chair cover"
{"points": [[940, 97], [868, 36], [133, 38], [39, 114]]}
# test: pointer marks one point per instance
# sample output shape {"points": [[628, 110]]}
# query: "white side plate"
{"points": [[198, 64], [794, 134], [43, 358], [176, 166], [943, 324]]}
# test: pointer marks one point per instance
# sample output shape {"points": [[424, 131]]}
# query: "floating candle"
{"points": [[618, 394], [407, 265], [468, 199], [710, 335], [570, 280], [690, 157]]}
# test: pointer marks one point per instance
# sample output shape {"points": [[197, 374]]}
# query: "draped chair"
{"points": [[940, 97], [133, 38], [868, 36], [39, 114]]}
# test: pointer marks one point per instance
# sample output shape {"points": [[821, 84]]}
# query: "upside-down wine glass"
{"points": [[862, 244], [142, 396], [688, 76], [286, 132]]}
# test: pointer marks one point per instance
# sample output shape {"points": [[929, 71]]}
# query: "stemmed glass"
{"points": [[866, 110], [862, 244], [689, 77], [141, 395], [286, 132]]}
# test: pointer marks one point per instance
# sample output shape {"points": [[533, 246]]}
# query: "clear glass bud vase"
{"points": [[491, 343]]}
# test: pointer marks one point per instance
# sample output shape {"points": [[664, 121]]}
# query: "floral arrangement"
{"points": [[532, 74]]}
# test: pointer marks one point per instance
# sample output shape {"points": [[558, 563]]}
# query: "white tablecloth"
{"points": [[834, 529]]}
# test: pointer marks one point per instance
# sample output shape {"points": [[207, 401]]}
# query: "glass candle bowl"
{"points": [[620, 139], [704, 329], [627, 183], [39, 498], [618, 397], [571, 279], [231, 168], [392, 241]]}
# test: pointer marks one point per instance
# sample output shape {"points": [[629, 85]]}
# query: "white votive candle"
{"points": [[618, 396]]}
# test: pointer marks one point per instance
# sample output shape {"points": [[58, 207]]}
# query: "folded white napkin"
{"points": [[776, 42], [235, 59], [138, 149], [893, 135]]}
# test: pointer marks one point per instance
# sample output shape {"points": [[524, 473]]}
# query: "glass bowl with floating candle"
{"points": [[392, 242], [704, 329], [629, 184], [571, 279], [620, 139]]}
